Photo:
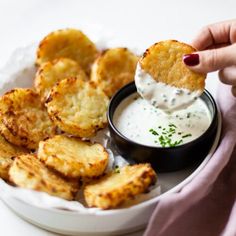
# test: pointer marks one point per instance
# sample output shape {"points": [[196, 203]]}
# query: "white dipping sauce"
{"points": [[161, 95], [141, 122]]}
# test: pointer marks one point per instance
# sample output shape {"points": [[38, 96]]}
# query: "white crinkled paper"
{"points": [[19, 72]]}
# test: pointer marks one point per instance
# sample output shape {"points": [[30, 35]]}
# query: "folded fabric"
{"points": [[207, 205]]}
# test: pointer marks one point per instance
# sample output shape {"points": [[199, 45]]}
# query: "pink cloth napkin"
{"points": [[207, 205]]}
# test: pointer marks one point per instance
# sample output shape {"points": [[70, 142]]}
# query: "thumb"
{"points": [[211, 60]]}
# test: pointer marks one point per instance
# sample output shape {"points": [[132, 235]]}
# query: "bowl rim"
{"points": [[132, 84]]}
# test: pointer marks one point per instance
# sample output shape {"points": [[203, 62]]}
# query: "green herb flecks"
{"points": [[165, 136], [117, 169], [188, 115], [154, 132], [172, 125], [186, 135]]}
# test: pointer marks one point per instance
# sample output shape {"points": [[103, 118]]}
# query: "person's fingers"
{"points": [[233, 91], [219, 45], [222, 32], [228, 75], [211, 60]]}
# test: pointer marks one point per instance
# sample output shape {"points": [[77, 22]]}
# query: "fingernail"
{"points": [[191, 59]]}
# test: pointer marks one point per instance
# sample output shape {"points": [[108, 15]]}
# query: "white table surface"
{"points": [[135, 23]]}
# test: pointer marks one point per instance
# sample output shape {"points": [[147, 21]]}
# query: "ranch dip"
{"points": [[161, 95], [143, 123]]}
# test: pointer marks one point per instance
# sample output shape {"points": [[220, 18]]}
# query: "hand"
{"points": [[217, 51]]}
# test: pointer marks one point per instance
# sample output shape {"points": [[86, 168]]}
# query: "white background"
{"points": [[135, 23]]}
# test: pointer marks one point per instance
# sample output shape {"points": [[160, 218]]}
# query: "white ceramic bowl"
{"points": [[110, 222]]}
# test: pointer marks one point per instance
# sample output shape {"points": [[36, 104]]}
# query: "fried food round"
{"points": [[7, 152], [70, 43], [163, 61], [49, 73], [116, 187], [77, 107], [73, 157], [24, 121], [28, 172], [113, 69]]}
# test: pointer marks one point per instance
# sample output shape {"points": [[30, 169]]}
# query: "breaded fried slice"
{"points": [[70, 43], [73, 157], [24, 121], [113, 69], [77, 107], [28, 172], [7, 151], [49, 73], [116, 187], [163, 61]]}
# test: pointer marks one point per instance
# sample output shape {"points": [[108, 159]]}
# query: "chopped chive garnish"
{"points": [[165, 138], [171, 130], [117, 169], [186, 135], [172, 125], [176, 143], [154, 132]]}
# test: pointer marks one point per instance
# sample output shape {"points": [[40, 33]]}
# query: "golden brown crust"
{"points": [[114, 188], [23, 120], [113, 69], [73, 157], [28, 172], [7, 152], [69, 43], [77, 107], [49, 73], [163, 61]]}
